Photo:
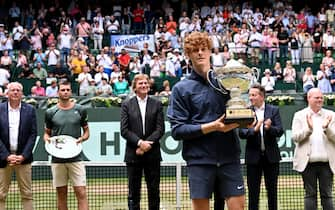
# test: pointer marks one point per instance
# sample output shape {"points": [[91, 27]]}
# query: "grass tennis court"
{"points": [[107, 189]]}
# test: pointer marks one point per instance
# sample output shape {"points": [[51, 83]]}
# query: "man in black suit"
{"points": [[262, 153], [142, 126], [17, 138]]}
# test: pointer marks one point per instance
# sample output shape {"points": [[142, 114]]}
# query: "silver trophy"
{"points": [[235, 79]]}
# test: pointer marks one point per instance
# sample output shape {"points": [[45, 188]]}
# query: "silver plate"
{"points": [[63, 146]]}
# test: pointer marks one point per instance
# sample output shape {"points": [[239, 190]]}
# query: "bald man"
{"points": [[313, 131]]}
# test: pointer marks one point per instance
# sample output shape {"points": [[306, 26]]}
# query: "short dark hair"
{"points": [[63, 81], [260, 88]]}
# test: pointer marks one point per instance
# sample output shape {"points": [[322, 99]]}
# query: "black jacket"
{"points": [[132, 128]]}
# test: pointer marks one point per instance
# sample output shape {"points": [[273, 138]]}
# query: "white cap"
{"points": [[176, 50], [169, 55]]}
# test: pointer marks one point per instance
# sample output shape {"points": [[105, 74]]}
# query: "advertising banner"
{"points": [[106, 144], [132, 43]]}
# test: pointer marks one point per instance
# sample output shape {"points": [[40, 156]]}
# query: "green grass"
{"points": [[111, 193]]}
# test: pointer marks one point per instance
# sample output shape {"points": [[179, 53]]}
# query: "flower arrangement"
{"points": [[280, 100], [30, 101], [99, 101], [164, 100], [329, 100], [53, 101]]}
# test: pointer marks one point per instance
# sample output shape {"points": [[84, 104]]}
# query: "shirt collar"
{"points": [[142, 100], [12, 109], [195, 76], [261, 108], [319, 113]]}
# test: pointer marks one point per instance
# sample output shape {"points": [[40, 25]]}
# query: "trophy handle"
{"points": [[220, 87]]}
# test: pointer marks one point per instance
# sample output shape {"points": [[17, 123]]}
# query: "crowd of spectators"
{"points": [[66, 41]]}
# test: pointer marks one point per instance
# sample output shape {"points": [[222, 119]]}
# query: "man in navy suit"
{"points": [[17, 139], [142, 126], [262, 153]]}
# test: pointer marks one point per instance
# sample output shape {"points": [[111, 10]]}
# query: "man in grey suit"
{"points": [[313, 131], [17, 138], [142, 126]]}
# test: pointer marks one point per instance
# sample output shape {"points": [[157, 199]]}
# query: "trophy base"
{"points": [[244, 117], [244, 122]]}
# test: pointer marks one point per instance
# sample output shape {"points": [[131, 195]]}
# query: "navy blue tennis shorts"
{"points": [[226, 179]]}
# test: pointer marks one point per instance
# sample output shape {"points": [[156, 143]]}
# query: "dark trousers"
{"points": [[314, 172], [283, 51], [152, 178], [254, 176], [16, 45]]}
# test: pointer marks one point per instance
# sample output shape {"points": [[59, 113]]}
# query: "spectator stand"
{"points": [[29, 83], [159, 81]]}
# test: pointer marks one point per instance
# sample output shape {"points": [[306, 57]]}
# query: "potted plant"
{"points": [[329, 99], [280, 100], [53, 101], [30, 101], [99, 101]]}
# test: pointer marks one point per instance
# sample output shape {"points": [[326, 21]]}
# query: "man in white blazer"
{"points": [[313, 131]]}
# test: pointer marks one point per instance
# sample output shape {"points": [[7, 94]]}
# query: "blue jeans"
{"points": [[138, 27], [283, 51], [307, 87], [314, 172], [29, 21], [148, 28], [265, 56], [272, 56], [179, 72], [85, 40], [64, 52]]}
